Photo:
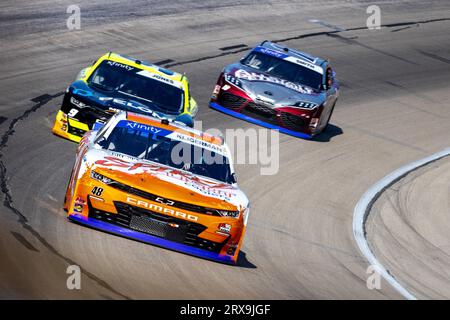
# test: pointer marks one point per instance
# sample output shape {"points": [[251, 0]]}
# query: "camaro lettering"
{"points": [[158, 208]]}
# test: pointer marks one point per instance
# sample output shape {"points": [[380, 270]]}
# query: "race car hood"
{"points": [[110, 101], [165, 181], [273, 90]]}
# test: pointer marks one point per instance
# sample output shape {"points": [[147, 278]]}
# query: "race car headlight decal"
{"points": [[101, 178], [233, 80], [77, 103], [228, 214], [306, 105]]}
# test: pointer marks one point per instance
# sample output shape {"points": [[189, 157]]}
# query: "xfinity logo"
{"points": [[121, 65], [143, 127], [158, 208], [272, 52]]}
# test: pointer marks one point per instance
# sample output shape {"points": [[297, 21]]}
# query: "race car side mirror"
{"points": [[233, 178]]}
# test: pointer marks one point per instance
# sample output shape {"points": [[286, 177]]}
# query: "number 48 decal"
{"points": [[97, 191]]}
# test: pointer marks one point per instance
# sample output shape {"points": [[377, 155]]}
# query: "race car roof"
{"points": [[293, 53], [175, 127], [144, 65]]}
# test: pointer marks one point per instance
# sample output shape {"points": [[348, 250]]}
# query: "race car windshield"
{"points": [[154, 146], [283, 69], [158, 93]]}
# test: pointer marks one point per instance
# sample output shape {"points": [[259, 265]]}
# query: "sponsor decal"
{"points": [[197, 142], [143, 127], [77, 103], [161, 209], [80, 200], [305, 64], [215, 91], [254, 76], [158, 77], [174, 135], [220, 190], [79, 205], [289, 58], [164, 201], [225, 227], [271, 52], [120, 65]]}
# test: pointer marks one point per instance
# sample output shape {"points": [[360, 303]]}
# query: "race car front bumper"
{"points": [[150, 239], [239, 115], [69, 128]]}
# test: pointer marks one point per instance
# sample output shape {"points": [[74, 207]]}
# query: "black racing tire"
{"points": [[329, 117]]}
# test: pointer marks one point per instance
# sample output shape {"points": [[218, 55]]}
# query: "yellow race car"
{"points": [[117, 82]]}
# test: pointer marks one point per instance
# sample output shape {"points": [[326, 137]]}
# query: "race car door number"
{"points": [[72, 112]]}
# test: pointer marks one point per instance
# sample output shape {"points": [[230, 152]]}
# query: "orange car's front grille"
{"points": [[163, 226]]}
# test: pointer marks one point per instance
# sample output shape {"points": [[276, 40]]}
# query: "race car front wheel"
{"points": [[329, 117], [325, 127]]}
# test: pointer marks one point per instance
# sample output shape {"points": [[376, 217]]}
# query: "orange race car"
{"points": [[159, 182]]}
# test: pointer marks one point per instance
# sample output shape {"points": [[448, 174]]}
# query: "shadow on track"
{"points": [[243, 261], [328, 134]]}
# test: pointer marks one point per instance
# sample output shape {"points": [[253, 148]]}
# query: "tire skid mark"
{"points": [[237, 46], [163, 62], [434, 56], [24, 241], [350, 41], [310, 35], [401, 29], [8, 201]]}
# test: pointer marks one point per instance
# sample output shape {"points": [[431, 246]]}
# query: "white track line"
{"points": [[362, 210]]}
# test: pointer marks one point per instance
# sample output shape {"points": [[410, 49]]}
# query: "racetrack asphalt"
{"points": [[393, 109]]}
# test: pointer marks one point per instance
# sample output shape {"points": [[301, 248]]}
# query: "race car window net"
{"points": [[283, 69], [125, 82], [163, 150]]}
